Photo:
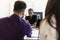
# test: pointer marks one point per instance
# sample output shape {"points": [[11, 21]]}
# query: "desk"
{"points": [[34, 36]]}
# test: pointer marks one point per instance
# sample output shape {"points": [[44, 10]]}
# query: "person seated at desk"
{"points": [[31, 18], [14, 27]]}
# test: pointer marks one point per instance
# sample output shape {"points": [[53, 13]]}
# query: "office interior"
{"points": [[38, 6]]}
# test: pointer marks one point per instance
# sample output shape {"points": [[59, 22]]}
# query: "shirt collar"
{"points": [[16, 17]]}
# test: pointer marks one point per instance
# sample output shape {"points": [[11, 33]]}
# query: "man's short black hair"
{"points": [[19, 6], [30, 9]]}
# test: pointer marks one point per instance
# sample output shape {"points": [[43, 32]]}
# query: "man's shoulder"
{"points": [[3, 20]]}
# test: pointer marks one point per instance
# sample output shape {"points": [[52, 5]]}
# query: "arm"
{"points": [[34, 20], [29, 29], [29, 33]]}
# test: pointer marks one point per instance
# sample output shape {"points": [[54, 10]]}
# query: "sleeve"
{"points": [[29, 33], [29, 29], [43, 31]]}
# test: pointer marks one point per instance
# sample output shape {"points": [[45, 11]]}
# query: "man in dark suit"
{"points": [[14, 27], [31, 18]]}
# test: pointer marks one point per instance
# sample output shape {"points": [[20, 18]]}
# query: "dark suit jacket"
{"points": [[31, 20], [14, 28]]}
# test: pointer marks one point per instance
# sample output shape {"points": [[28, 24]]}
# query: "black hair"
{"points": [[19, 6], [30, 9]]}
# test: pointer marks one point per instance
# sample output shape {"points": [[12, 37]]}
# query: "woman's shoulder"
{"points": [[44, 21], [43, 24]]}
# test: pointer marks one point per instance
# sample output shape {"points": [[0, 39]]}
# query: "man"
{"points": [[31, 18], [14, 27]]}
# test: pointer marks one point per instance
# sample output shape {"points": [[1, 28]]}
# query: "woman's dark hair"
{"points": [[53, 8], [19, 6]]}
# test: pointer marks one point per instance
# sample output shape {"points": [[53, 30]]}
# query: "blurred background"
{"points": [[6, 6], [38, 6]]}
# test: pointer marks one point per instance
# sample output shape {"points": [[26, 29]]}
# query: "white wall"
{"points": [[4, 8], [11, 3], [36, 5], [40, 5]]}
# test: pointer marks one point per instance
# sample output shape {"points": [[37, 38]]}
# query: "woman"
{"points": [[50, 26]]}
